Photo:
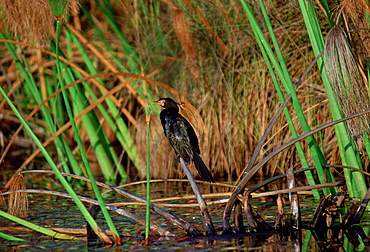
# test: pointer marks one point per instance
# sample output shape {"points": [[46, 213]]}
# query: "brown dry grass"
{"points": [[212, 63], [32, 21], [347, 83], [237, 99], [18, 202], [355, 18]]}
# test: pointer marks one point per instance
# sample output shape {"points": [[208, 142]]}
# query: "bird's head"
{"points": [[166, 103]]}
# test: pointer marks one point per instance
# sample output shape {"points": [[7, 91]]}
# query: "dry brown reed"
{"points": [[237, 99], [231, 89], [18, 202], [2, 201], [356, 11], [183, 32], [32, 21], [346, 81]]}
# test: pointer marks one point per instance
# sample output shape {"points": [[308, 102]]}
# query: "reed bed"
{"points": [[77, 79], [118, 56]]}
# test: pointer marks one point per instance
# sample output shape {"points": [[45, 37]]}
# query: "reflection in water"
{"points": [[53, 211]]}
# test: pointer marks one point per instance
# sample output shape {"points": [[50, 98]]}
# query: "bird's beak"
{"points": [[160, 102]]}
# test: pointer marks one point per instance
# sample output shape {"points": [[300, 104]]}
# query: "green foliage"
{"points": [[10, 238], [37, 228], [147, 216], [349, 153], [236, 62], [282, 74], [58, 7], [96, 143], [47, 156]]}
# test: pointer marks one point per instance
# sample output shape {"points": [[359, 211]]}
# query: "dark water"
{"points": [[53, 211]]}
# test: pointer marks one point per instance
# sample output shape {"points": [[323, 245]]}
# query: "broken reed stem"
{"points": [[294, 200], [280, 219]]}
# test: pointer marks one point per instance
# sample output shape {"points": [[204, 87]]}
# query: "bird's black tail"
{"points": [[202, 169]]}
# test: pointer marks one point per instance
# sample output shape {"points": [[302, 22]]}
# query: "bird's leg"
{"points": [[178, 157], [185, 159]]}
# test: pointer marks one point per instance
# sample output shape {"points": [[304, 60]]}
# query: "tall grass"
{"points": [[350, 156], [207, 59], [235, 62]]}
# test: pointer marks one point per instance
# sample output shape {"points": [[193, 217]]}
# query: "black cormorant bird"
{"points": [[181, 136]]}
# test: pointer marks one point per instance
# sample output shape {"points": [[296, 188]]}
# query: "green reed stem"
{"points": [[147, 216], [9, 237], [78, 140], [48, 158], [116, 123], [35, 227], [60, 143], [356, 182], [282, 73], [132, 59]]}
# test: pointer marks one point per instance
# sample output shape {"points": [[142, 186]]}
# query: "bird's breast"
{"points": [[176, 132]]}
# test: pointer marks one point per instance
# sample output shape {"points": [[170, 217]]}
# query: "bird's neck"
{"points": [[171, 110]]}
